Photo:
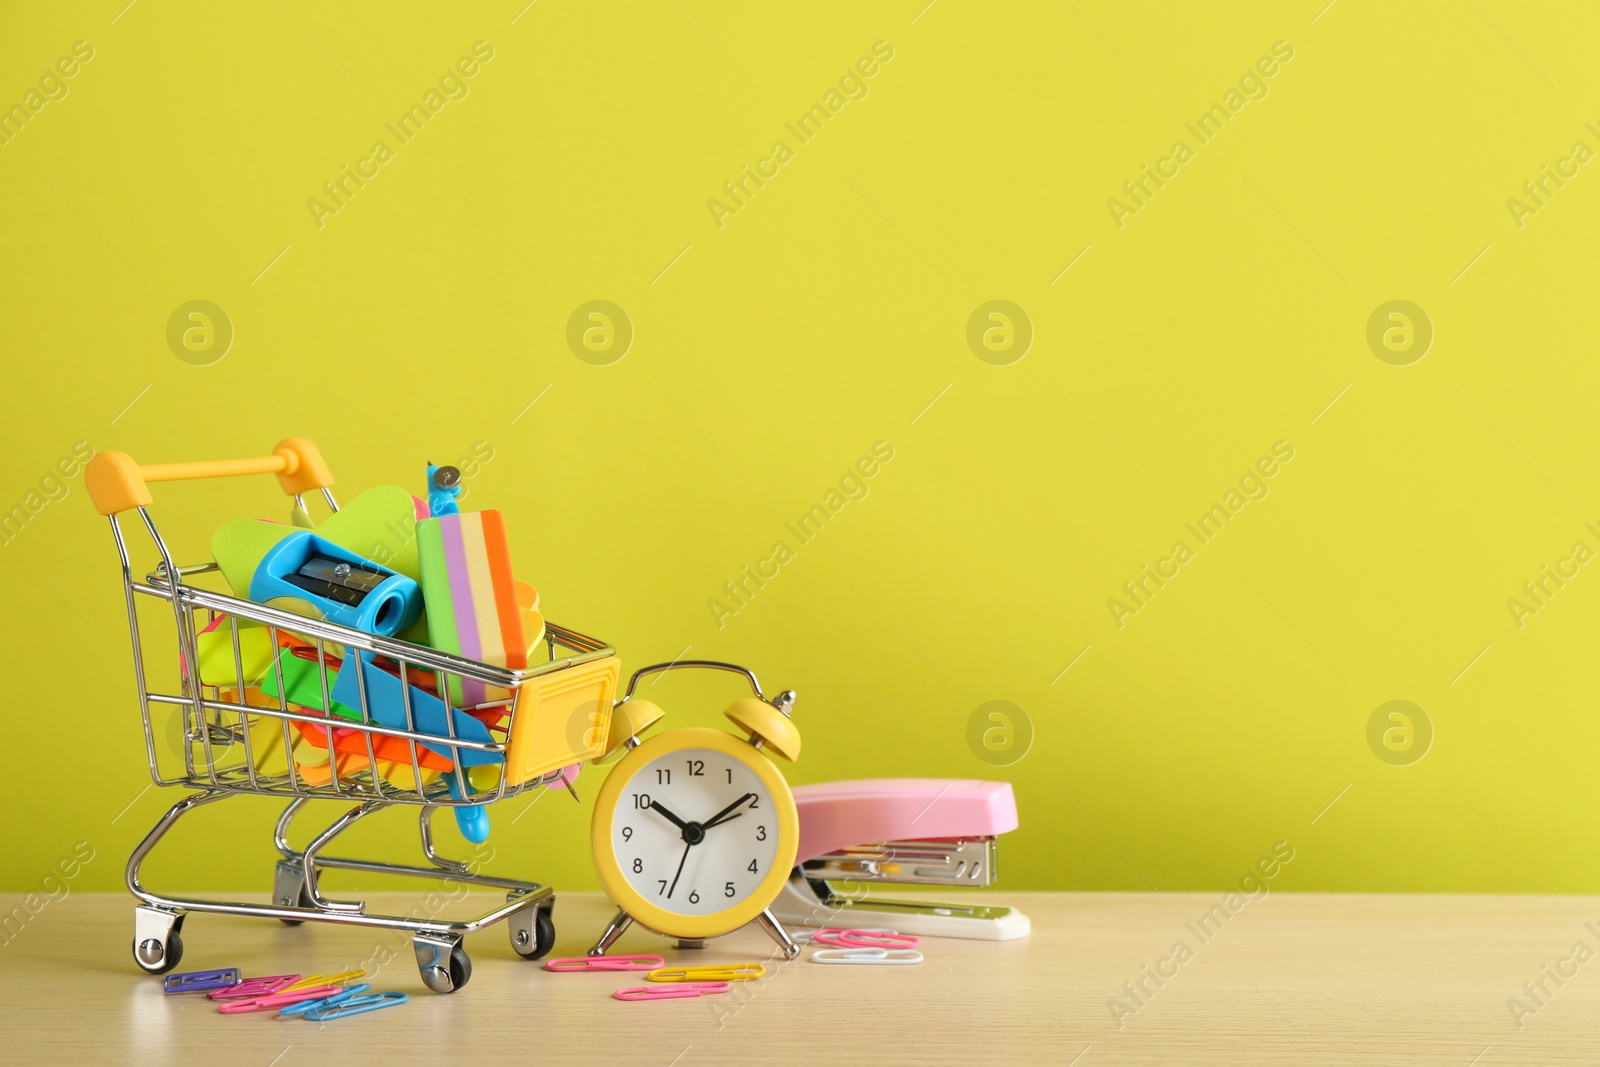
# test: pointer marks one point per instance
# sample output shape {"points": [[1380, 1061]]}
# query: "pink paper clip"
{"points": [[254, 987], [673, 991], [574, 964], [864, 939], [274, 1001]]}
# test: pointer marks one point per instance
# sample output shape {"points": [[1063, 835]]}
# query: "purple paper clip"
{"points": [[200, 981], [254, 987]]}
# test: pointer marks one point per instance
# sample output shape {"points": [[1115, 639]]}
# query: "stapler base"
{"points": [[801, 906]]}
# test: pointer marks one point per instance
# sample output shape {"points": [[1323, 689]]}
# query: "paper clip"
{"points": [[320, 1003], [868, 957], [603, 963], [356, 1006], [254, 987], [342, 978], [672, 992], [823, 935], [274, 1001], [716, 972], [201, 981], [864, 939]]}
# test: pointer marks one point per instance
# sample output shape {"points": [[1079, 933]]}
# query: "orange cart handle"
{"points": [[116, 483]]}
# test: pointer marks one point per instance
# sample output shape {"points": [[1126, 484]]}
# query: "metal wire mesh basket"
{"points": [[240, 698]]}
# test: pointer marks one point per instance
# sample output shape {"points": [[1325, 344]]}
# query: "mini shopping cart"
{"points": [[215, 738]]}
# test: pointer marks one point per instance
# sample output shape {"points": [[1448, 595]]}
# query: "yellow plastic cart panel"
{"points": [[561, 718]]}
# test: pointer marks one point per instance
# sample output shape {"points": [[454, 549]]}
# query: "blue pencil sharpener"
{"points": [[343, 587]]}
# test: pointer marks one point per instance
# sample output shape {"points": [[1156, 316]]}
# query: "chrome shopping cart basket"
{"points": [[235, 736]]}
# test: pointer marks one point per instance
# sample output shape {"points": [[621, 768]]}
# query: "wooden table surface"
{"points": [[1290, 979]]}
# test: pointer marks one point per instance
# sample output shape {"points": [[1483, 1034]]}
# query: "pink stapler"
{"points": [[907, 831]]}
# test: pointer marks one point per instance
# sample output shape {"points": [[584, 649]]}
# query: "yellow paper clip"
{"points": [[342, 978], [716, 972]]}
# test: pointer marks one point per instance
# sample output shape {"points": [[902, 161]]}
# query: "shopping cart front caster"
{"points": [[533, 931], [442, 962], [157, 945], [289, 890]]}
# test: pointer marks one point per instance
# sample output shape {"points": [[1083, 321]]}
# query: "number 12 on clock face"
{"points": [[695, 831]]}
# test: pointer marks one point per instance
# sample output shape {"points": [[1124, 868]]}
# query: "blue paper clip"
{"points": [[323, 1003], [200, 981], [358, 1005]]}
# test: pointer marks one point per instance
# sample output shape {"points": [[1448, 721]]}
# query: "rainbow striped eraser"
{"points": [[471, 600]]}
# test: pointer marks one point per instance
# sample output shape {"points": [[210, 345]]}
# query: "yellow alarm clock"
{"points": [[695, 830]]}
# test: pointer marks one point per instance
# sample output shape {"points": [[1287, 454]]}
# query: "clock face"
{"points": [[695, 831]]}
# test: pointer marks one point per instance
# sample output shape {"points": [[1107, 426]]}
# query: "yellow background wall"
{"points": [[830, 312]]}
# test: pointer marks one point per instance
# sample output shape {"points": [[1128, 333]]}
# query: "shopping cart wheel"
{"points": [[303, 902], [157, 943], [442, 972], [533, 941], [460, 968], [289, 890], [166, 955]]}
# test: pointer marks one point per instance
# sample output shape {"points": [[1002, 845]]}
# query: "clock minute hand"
{"points": [[675, 877], [726, 813]]}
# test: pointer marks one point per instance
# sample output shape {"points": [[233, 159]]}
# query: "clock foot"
{"points": [[691, 942], [775, 930], [612, 932]]}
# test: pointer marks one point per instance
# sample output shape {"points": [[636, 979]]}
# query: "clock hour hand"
{"points": [[673, 819], [727, 813]]}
